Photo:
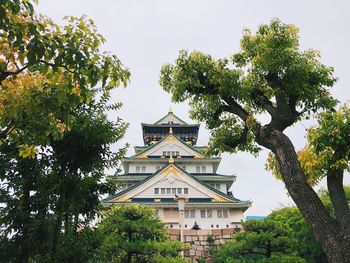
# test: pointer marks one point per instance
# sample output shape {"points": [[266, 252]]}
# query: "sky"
{"points": [[147, 34]]}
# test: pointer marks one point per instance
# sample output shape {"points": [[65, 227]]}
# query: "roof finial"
{"points": [[171, 159], [170, 110], [171, 130]]}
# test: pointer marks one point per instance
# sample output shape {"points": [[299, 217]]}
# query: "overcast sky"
{"points": [[146, 34]]}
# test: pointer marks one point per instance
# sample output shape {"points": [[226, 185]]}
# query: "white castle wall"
{"points": [[171, 219], [190, 167]]}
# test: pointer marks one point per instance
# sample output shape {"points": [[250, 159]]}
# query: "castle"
{"points": [[171, 174]]}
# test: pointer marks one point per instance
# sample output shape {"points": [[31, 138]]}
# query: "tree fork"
{"points": [[326, 231]]}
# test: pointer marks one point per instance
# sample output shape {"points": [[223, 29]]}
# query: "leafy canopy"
{"points": [[262, 241], [47, 71], [270, 75], [133, 233]]}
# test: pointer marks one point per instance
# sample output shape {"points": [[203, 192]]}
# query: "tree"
{"points": [[304, 244], [269, 75], [55, 138], [133, 233], [47, 71], [262, 241]]}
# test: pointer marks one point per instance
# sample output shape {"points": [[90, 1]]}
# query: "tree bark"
{"points": [[323, 226], [340, 204]]}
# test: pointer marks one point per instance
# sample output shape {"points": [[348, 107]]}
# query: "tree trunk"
{"points": [[25, 166], [59, 216], [24, 251], [323, 226], [340, 204]]}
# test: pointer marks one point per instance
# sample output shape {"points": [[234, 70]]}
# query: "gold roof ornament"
{"points": [[170, 110], [171, 159], [171, 130]]}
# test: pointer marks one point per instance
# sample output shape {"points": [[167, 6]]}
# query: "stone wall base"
{"points": [[202, 241]]}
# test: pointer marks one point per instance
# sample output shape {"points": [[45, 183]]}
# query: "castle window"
{"points": [[198, 169], [173, 191], [185, 190], [219, 213], [204, 169], [156, 191], [206, 214], [143, 169], [216, 186], [162, 191], [190, 213], [183, 167], [138, 169], [222, 214], [168, 191], [209, 214], [179, 191]]}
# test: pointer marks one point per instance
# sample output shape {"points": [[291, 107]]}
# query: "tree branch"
{"points": [[236, 109], [5, 74], [260, 99]]}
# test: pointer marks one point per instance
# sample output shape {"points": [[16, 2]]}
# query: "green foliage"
{"points": [[133, 233], [304, 244], [330, 139], [46, 72], [262, 241], [269, 75], [328, 147], [283, 237], [55, 138]]}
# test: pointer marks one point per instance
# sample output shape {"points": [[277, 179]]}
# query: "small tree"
{"points": [[262, 241], [133, 233]]}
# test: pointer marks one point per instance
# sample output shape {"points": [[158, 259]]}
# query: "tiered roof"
{"points": [[160, 129]]}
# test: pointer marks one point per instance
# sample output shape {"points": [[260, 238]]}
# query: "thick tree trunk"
{"points": [[324, 228]]}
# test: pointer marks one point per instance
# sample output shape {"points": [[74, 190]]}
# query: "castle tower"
{"points": [[169, 167]]}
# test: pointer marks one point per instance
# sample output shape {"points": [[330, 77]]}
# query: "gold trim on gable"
{"points": [[123, 199], [170, 138], [219, 200], [171, 169]]}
